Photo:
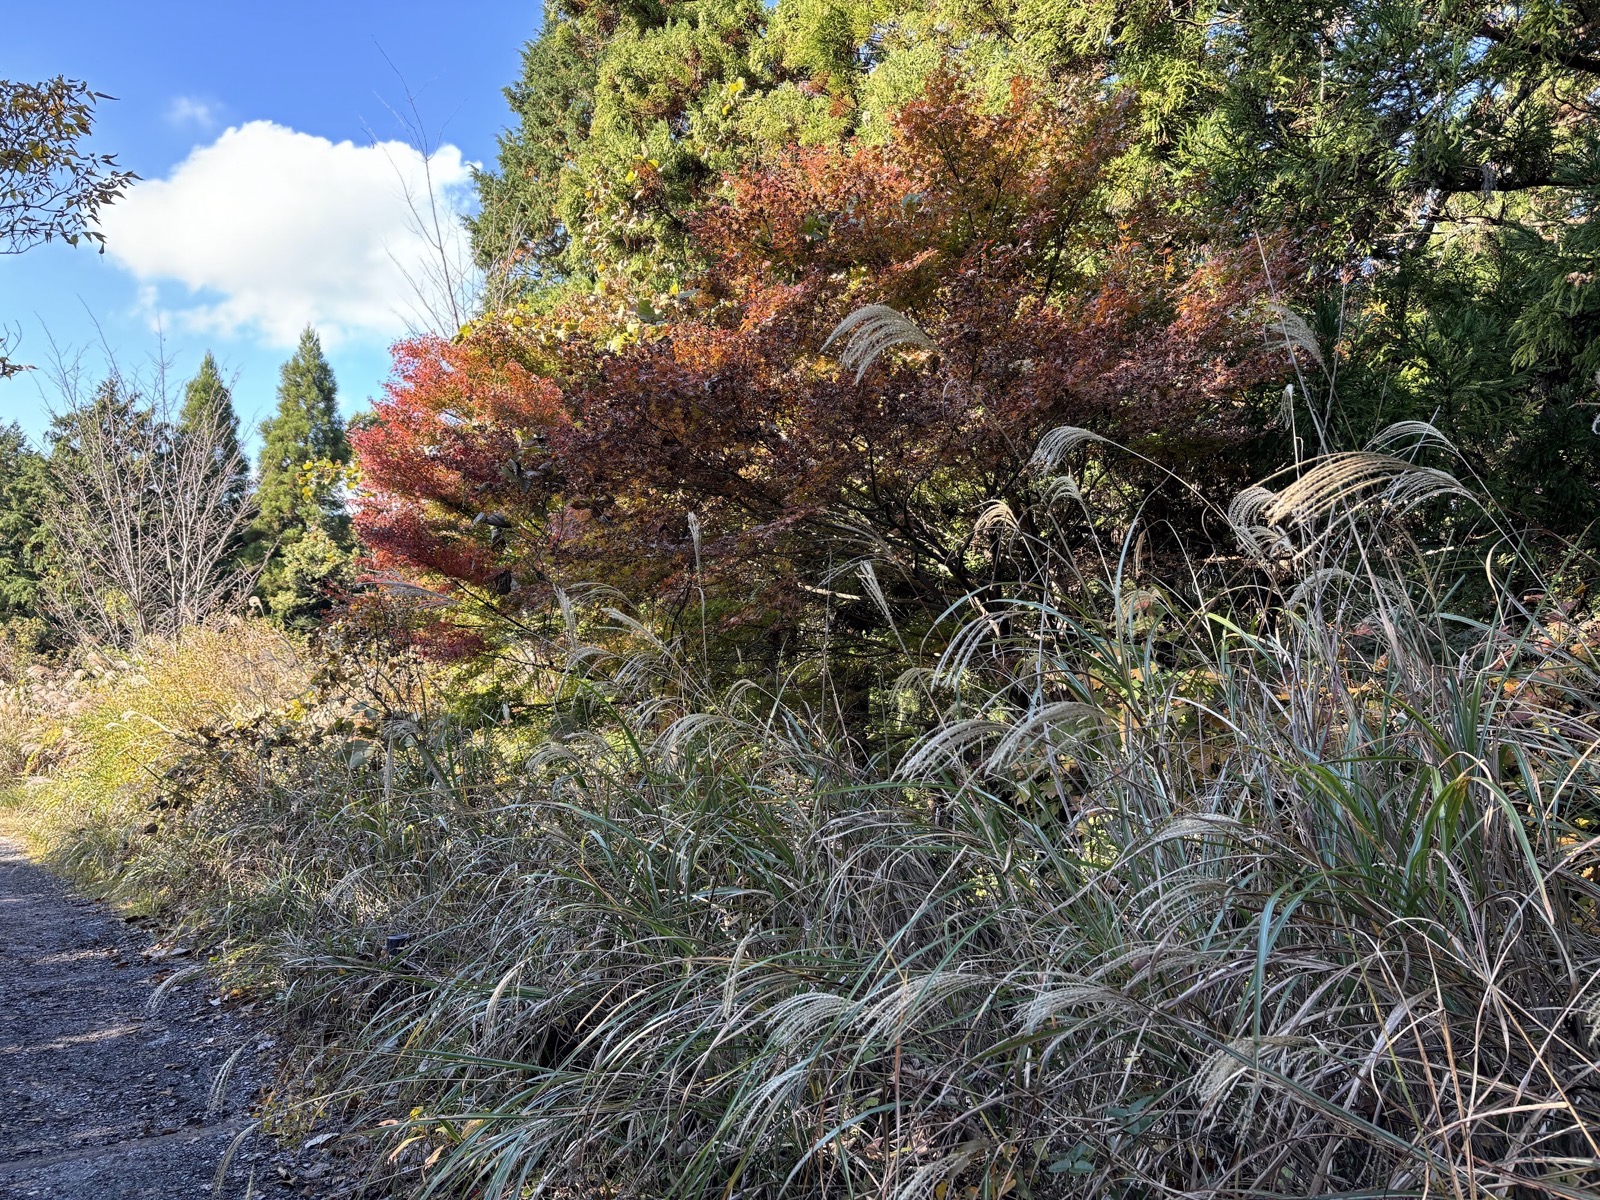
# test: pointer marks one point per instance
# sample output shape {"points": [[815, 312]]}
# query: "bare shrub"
{"points": [[145, 518]]}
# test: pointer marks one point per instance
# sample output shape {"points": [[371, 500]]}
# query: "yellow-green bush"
{"points": [[135, 718]]}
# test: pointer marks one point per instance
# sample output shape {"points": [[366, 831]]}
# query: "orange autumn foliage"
{"points": [[451, 455], [1056, 294]]}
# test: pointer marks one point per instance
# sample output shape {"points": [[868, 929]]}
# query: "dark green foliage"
{"points": [[208, 410], [305, 430], [628, 115], [22, 493], [116, 415], [554, 101], [608, 150], [1440, 339], [1438, 162]]}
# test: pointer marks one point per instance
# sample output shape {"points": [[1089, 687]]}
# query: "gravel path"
{"points": [[100, 1099]]}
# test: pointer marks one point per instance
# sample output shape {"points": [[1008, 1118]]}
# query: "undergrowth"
{"points": [[97, 788], [1285, 891]]}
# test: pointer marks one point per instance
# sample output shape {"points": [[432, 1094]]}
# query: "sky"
{"points": [[275, 158]]}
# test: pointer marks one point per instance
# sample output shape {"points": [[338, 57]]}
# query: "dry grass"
{"points": [[1286, 893], [106, 735]]}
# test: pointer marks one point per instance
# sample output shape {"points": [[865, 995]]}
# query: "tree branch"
{"points": [[1567, 58]]}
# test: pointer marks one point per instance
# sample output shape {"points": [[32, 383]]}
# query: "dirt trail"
{"points": [[100, 1099]]}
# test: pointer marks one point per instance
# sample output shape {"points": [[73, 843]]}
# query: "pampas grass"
{"points": [[872, 329], [1288, 892]]}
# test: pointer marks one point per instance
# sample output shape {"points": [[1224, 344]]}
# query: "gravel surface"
{"points": [[101, 1098]]}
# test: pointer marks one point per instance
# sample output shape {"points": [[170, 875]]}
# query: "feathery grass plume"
{"points": [[159, 995], [1134, 603], [996, 525], [1246, 516], [219, 1085], [1292, 327], [1412, 435], [422, 597], [1240, 1059], [1333, 485], [1242, 902], [1063, 996], [902, 1004], [1057, 727], [1059, 488], [1055, 445], [220, 1176], [947, 746], [873, 588], [1352, 478], [869, 331]]}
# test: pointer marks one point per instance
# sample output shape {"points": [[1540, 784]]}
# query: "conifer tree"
{"points": [[22, 492], [628, 112], [207, 410], [305, 429], [302, 527]]}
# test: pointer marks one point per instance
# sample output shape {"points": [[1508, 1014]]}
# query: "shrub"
{"points": [[1128, 896], [700, 453], [132, 720]]}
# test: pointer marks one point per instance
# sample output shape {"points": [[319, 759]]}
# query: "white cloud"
{"points": [[186, 110], [267, 229]]}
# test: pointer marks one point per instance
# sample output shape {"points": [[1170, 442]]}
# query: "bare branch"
{"points": [[145, 517]]}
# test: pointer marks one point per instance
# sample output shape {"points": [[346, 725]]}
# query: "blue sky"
{"points": [[274, 179]]}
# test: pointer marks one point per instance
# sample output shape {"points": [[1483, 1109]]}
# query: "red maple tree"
{"points": [[1054, 285], [455, 461]]}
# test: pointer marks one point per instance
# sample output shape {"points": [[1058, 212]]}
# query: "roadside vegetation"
{"points": [[1291, 895], [984, 608]]}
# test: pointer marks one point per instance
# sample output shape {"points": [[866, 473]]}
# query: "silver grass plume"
{"points": [[1414, 434], [1064, 995], [1063, 487], [1050, 729], [1058, 443], [886, 1018], [1349, 480], [1037, 735], [869, 581], [1358, 477], [1292, 327], [872, 329], [1239, 1058], [422, 596], [1250, 527], [996, 521], [946, 747]]}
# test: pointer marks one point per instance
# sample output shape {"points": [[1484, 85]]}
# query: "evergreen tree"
{"points": [[1436, 165], [304, 430], [22, 492], [628, 110], [628, 113], [208, 410]]}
